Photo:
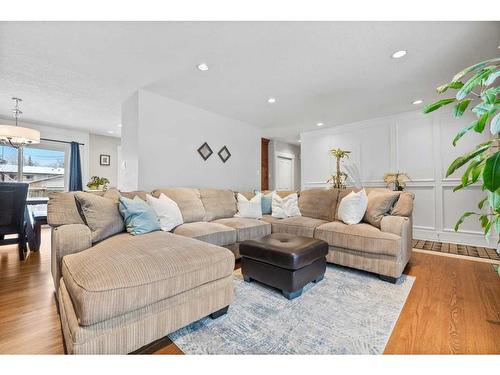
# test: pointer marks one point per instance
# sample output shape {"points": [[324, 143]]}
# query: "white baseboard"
{"points": [[453, 237]]}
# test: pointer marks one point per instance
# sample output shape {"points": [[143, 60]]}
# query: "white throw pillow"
{"points": [[167, 210], [352, 207], [251, 209], [285, 207]]}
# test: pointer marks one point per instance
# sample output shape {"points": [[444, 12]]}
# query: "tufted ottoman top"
{"points": [[284, 250]]}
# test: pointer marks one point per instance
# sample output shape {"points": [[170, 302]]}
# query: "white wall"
{"points": [[101, 144], [161, 136], [283, 148], [414, 143]]}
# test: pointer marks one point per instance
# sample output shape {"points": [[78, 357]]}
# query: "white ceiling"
{"points": [[76, 74]]}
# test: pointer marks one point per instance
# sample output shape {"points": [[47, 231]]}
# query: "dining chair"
{"points": [[12, 215]]}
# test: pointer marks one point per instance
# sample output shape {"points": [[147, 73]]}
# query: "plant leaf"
{"points": [[481, 123], [495, 124], [477, 172], [461, 160], [490, 95], [462, 131], [483, 219], [481, 203], [493, 76], [497, 225], [494, 200], [462, 218], [473, 82], [491, 172], [455, 85], [442, 88], [436, 105], [465, 177], [483, 108], [487, 227], [461, 107], [474, 67]]}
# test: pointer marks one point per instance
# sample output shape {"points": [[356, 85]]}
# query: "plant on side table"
{"points": [[478, 91], [97, 182]]}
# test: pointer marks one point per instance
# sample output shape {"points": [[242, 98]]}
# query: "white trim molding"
{"points": [[410, 142]]}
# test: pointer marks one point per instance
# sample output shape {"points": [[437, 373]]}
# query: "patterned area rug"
{"points": [[456, 249], [348, 312]]}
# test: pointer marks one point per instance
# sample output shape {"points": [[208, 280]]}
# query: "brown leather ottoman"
{"points": [[284, 261]]}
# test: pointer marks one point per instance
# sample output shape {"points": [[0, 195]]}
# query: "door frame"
{"points": [[284, 155]]}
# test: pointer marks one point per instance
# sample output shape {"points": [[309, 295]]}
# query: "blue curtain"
{"points": [[75, 168]]}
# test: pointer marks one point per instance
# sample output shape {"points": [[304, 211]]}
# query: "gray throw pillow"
{"points": [[379, 204], [100, 214]]}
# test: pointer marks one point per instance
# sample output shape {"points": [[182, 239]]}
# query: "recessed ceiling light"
{"points": [[119, 125], [398, 54], [203, 67], [110, 131], [299, 141], [418, 101], [271, 100], [320, 124]]}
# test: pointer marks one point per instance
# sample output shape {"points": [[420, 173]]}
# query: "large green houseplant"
{"points": [[478, 91]]}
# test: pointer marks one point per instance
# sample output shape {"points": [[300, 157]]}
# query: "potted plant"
{"points": [[398, 180], [478, 91], [338, 180], [97, 183]]}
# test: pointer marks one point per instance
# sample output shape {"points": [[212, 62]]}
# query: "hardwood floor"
{"points": [[454, 307]]}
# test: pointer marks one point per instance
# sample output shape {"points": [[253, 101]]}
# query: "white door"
{"points": [[284, 173]]}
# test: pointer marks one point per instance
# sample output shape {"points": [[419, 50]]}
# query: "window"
{"points": [[8, 163], [46, 167], [43, 168]]}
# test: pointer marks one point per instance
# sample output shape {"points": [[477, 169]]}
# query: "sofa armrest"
{"points": [[67, 239], [401, 226], [394, 224]]}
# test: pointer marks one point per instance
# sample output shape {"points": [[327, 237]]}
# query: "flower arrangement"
{"points": [[96, 182], [398, 180]]}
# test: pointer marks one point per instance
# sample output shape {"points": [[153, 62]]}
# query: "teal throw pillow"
{"points": [[138, 216], [266, 202]]}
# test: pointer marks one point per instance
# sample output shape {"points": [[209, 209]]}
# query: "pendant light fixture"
{"points": [[17, 136]]}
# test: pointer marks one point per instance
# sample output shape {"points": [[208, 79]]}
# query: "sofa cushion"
{"points": [[318, 203], [214, 233], [125, 273], [247, 229], [299, 226], [379, 204], [139, 217], [360, 237], [218, 203], [341, 193], [100, 214], [188, 200], [404, 205], [62, 210]]}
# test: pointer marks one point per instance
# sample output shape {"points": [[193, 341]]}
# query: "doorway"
{"points": [[284, 171]]}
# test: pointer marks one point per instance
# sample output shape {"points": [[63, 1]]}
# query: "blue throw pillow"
{"points": [[139, 217], [266, 201]]}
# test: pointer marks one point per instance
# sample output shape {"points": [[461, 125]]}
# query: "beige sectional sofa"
{"points": [[124, 292]]}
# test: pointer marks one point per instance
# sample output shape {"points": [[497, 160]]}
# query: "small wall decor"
{"points": [[224, 154], [205, 151], [105, 160]]}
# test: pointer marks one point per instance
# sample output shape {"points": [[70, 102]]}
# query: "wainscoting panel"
{"points": [[410, 142]]}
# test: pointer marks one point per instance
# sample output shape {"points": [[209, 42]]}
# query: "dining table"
{"points": [[36, 212]]}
